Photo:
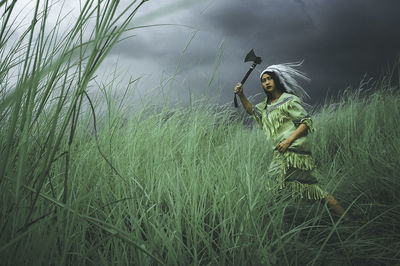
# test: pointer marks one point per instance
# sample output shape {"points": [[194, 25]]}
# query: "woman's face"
{"points": [[267, 83]]}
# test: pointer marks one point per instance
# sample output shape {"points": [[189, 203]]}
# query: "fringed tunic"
{"points": [[293, 169]]}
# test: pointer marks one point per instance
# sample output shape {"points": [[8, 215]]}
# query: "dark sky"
{"points": [[340, 42]]}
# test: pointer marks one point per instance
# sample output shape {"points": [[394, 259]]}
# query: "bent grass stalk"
{"points": [[27, 108]]}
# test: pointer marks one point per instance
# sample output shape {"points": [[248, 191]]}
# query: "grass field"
{"points": [[179, 186]]}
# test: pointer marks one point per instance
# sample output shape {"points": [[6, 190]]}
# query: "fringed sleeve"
{"points": [[299, 115], [258, 109], [257, 116]]}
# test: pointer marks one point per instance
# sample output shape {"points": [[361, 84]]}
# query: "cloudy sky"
{"points": [[339, 40]]}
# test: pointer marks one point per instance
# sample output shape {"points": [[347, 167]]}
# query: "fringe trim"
{"points": [[277, 114], [258, 109], [296, 160], [309, 124], [303, 162], [276, 118], [308, 191], [258, 118], [297, 190], [305, 119]]}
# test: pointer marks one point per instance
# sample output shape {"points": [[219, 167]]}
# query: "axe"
{"points": [[251, 56]]}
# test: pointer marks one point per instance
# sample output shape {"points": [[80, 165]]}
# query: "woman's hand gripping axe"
{"points": [[251, 56]]}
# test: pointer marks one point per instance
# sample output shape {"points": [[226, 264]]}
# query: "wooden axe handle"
{"points": [[248, 73], [244, 80]]}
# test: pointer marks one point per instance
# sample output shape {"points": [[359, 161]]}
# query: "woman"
{"points": [[286, 123]]}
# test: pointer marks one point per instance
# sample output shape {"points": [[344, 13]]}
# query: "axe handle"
{"points": [[244, 80], [248, 73]]}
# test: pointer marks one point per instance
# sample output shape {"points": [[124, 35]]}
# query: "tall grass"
{"points": [[207, 201], [40, 110], [182, 186]]}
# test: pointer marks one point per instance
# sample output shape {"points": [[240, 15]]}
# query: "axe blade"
{"points": [[251, 56]]}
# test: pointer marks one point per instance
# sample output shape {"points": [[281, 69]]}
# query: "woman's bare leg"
{"points": [[334, 205]]}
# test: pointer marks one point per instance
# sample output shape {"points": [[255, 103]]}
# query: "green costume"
{"points": [[292, 169]]}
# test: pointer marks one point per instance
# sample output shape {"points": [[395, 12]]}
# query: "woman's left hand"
{"points": [[282, 147]]}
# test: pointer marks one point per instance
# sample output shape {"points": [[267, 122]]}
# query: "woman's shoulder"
{"points": [[261, 105], [285, 97], [289, 96]]}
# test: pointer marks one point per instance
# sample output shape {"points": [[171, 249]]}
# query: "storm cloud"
{"points": [[339, 41]]}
